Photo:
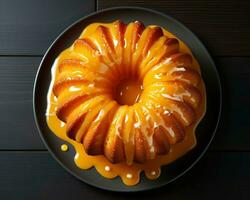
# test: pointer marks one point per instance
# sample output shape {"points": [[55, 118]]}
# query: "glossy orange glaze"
{"points": [[129, 94]]}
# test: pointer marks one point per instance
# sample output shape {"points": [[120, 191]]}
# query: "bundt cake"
{"points": [[128, 93]]}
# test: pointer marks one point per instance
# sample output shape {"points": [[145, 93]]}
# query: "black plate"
{"points": [[204, 132]]}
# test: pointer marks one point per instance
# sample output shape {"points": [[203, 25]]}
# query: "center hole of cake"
{"points": [[128, 92]]}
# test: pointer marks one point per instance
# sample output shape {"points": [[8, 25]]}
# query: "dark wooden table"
{"points": [[27, 28]]}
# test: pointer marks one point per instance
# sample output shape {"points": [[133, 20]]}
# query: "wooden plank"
{"points": [[18, 129], [28, 28], [17, 125], [234, 128], [223, 26], [35, 175]]}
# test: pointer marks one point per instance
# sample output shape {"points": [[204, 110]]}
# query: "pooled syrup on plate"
{"points": [[130, 174]]}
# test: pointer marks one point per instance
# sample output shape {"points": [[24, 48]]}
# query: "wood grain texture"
{"points": [[17, 125], [28, 27], [234, 130], [223, 26], [35, 175]]}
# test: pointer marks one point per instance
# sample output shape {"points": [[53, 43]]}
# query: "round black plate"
{"points": [[204, 132]]}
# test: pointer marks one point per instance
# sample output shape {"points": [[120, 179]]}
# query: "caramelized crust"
{"points": [[85, 83]]}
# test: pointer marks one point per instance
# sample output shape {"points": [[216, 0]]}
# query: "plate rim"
{"points": [[203, 151]]}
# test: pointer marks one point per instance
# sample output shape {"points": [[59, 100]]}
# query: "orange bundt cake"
{"points": [[127, 94]]}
